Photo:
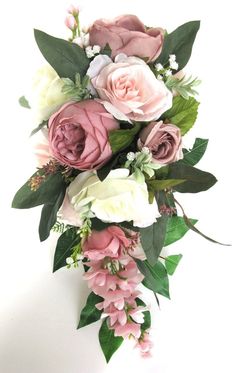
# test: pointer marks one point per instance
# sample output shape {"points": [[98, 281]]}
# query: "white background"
{"points": [[195, 331]]}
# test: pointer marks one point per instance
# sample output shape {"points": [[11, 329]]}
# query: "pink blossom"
{"points": [[130, 328], [70, 22], [145, 345]]}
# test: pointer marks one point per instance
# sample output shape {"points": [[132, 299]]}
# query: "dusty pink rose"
{"points": [[164, 141], [131, 88], [78, 134], [127, 34], [108, 242]]}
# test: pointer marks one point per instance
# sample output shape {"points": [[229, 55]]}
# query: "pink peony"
{"points": [[108, 242], [127, 34], [164, 141], [78, 134]]}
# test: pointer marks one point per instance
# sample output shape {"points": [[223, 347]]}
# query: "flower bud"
{"points": [[70, 22]]}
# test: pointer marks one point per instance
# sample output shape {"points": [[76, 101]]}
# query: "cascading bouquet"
{"points": [[112, 107]]}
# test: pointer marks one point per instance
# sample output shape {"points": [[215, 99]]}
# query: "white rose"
{"points": [[117, 198], [47, 96]]}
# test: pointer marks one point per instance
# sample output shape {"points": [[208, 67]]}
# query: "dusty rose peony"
{"points": [[129, 86], [164, 141], [108, 242], [78, 134], [127, 34]]}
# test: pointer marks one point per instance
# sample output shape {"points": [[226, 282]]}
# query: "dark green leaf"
{"points": [[176, 229], [108, 342], [90, 313], [65, 57], [180, 43], [106, 50], [64, 247], [23, 102], [129, 225], [156, 278], [196, 180], [152, 239], [40, 126], [193, 156], [157, 185], [104, 171], [121, 139], [49, 215], [147, 316], [99, 225], [171, 263], [183, 113], [47, 192]]}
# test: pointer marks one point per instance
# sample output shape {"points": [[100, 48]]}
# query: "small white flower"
{"points": [[159, 66], [131, 156], [174, 65], [96, 49], [79, 257], [168, 73], [159, 77], [145, 150], [172, 58], [89, 51], [69, 260]]}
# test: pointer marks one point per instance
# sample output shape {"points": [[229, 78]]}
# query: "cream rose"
{"points": [[47, 96], [117, 198], [129, 87]]}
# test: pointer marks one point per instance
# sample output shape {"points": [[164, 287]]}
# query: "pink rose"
{"points": [[127, 34], [164, 141], [78, 134], [108, 242], [129, 86]]}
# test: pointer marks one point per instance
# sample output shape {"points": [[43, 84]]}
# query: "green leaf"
{"points": [[176, 229], [99, 225], [65, 57], [196, 180], [183, 113], [156, 278], [46, 193], [193, 156], [157, 185], [90, 313], [121, 139], [24, 102], [104, 171], [40, 126], [106, 50], [171, 263], [49, 215], [108, 342], [147, 315], [180, 43], [152, 239], [64, 247]]}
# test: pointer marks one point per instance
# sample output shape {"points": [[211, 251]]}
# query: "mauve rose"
{"points": [[164, 140], [108, 242], [78, 134], [129, 85], [127, 34]]}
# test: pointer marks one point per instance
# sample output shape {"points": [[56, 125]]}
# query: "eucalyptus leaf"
{"points": [[108, 342], [65, 57], [153, 238], [156, 278], [90, 313], [24, 102], [180, 43], [193, 156], [176, 229], [183, 113], [171, 263], [39, 127], [196, 180], [64, 247]]}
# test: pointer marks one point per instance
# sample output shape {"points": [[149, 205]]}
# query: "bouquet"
{"points": [[112, 107]]}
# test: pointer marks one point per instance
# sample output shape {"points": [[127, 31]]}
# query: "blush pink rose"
{"points": [[127, 34], [108, 242], [163, 140], [78, 134], [131, 88]]}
